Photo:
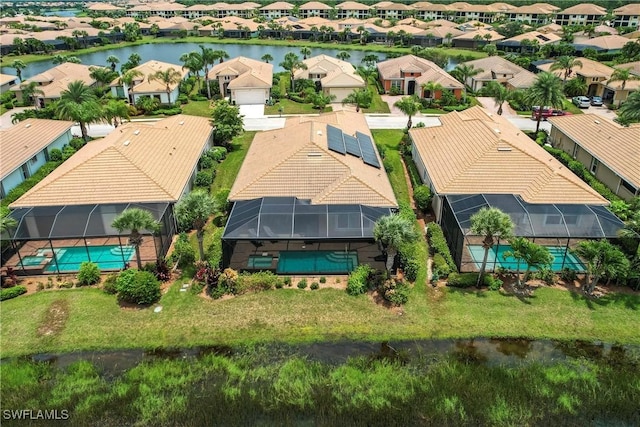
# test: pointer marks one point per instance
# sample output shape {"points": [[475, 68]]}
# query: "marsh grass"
{"points": [[270, 388]]}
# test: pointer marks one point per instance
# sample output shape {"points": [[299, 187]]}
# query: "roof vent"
{"points": [[496, 130], [504, 148], [319, 132], [126, 143], [314, 154], [28, 125], [136, 132], [181, 123], [596, 122]]}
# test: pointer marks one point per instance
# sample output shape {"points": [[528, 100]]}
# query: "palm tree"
{"points": [[631, 231], [134, 220], [576, 87], [500, 94], [431, 87], [343, 55], [267, 58], [127, 79], [168, 77], [409, 106], [463, 73], [114, 111], [622, 75], [545, 91], [208, 59], [79, 104], [602, 259], [367, 73], [490, 223], [220, 55], [370, 59], [102, 75], [292, 63], [361, 98], [305, 52], [630, 110], [566, 64], [193, 62], [112, 60], [6, 222], [195, 209], [391, 231], [30, 91], [534, 255], [18, 65]]}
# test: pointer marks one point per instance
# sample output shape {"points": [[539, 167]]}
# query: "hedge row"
{"points": [[358, 281], [12, 292], [467, 280], [28, 183], [410, 253], [438, 246]]}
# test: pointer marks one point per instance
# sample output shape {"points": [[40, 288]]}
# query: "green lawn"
{"points": [[377, 104], [567, 105], [390, 138], [197, 108], [292, 107]]}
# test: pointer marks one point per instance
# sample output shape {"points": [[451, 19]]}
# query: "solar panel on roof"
{"points": [[368, 151], [352, 145], [334, 140]]}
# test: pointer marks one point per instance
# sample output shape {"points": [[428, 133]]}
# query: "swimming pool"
{"points": [[560, 259], [108, 257], [31, 260], [317, 262]]}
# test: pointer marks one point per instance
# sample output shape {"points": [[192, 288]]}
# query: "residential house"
{"points": [[277, 10], [352, 9], [306, 198], [535, 14], [581, 14], [245, 10], [627, 16], [314, 9], [153, 88], [144, 165], [56, 80], [336, 78], [611, 152], [432, 11], [477, 159], [476, 39], [26, 146], [498, 69], [244, 80], [7, 81], [602, 44], [105, 9], [528, 42], [391, 10], [479, 12], [199, 11], [408, 73]]}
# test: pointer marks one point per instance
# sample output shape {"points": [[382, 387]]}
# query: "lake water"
{"points": [[171, 52], [67, 13]]}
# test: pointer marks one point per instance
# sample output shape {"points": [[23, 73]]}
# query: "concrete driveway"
{"points": [[489, 104], [252, 111]]}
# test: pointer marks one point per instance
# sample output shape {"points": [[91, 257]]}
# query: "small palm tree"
{"points": [[305, 52], [545, 91], [463, 73], [630, 110], [500, 94], [168, 77], [343, 55], [127, 79], [391, 231], [566, 64], [79, 104], [193, 62], [534, 255], [6, 222], [30, 91], [18, 65], [195, 209], [491, 223], [602, 258], [220, 55], [102, 75], [134, 220], [114, 111], [208, 59], [361, 98], [267, 58], [292, 63], [409, 106], [112, 60], [622, 75], [431, 88]]}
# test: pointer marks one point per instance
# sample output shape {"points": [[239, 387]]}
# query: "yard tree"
{"points": [[102, 75], [195, 209], [603, 259], [6, 222], [320, 100], [630, 109], [208, 59], [267, 58], [114, 111], [127, 78], [227, 122], [490, 223], [534, 255], [18, 65], [167, 77], [576, 87], [78, 103], [545, 91], [622, 75], [220, 55], [193, 62], [361, 98], [391, 231], [631, 231], [112, 60], [292, 63], [500, 94], [305, 52], [134, 220], [463, 73], [30, 92], [431, 87], [343, 55], [566, 64], [409, 106]]}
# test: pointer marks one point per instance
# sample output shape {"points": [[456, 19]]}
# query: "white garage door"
{"points": [[340, 93], [244, 97]]}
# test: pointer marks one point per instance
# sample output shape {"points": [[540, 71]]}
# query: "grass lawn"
{"points": [[197, 108], [390, 138], [292, 107], [377, 104], [567, 105]]}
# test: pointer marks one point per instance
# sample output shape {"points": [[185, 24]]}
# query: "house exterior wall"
{"points": [[162, 96], [359, 14], [5, 87], [626, 21], [308, 13]]}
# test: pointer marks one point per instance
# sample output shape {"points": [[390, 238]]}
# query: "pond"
{"points": [[171, 52], [66, 13]]}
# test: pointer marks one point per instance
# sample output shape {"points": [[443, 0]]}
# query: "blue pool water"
{"points": [[107, 257], [317, 262], [560, 259], [31, 260]]}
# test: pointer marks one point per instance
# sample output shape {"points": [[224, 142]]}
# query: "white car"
{"points": [[581, 101]]}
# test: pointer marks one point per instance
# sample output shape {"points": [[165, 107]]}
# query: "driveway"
{"points": [[5, 119], [252, 111], [489, 104]]}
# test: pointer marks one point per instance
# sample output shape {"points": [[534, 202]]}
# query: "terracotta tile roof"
{"points": [[6, 78], [138, 162], [501, 7], [610, 42], [352, 5], [629, 9], [149, 68], [296, 161], [338, 73], [476, 152], [498, 65], [57, 79], [536, 8], [634, 67], [590, 68], [584, 9], [392, 68], [613, 145], [442, 23], [542, 38], [388, 5], [279, 5], [22, 141], [550, 28], [104, 7], [469, 35], [251, 73], [314, 5]]}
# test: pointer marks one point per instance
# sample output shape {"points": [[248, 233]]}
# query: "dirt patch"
{"points": [[55, 319], [377, 298]]}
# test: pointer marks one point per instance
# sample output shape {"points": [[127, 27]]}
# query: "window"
{"points": [[593, 168], [34, 159], [553, 220], [576, 149], [396, 84], [628, 186]]}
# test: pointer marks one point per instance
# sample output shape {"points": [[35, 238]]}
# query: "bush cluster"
{"points": [[167, 111], [302, 284], [438, 245], [9, 293], [422, 196], [160, 269], [138, 287], [358, 282], [88, 274], [204, 178], [410, 255], [256, 282], [109, 284], [466, 280], [394, 291]]}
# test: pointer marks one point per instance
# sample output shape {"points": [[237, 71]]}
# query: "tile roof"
{"points": [[296, 161], [314, 5], [610, 42], [629, 9], [469, 35], [138, 162], [6, 78], [615, 146], [392, 68], [584, 9], [498, 65], [251, 73], [352, 5], [279, 5], [57, 79], [542, 38], [536, 8], [149, 68], [634, 67], [22, 141], [338, 73], [475, 152]]}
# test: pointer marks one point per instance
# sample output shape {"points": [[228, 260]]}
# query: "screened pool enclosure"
{"points": [[293, 236], [57, 239], [558, 226]]}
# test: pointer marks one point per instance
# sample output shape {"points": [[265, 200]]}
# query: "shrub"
{"points": [[9, 293], [382, 149], [440, 264], [159, 269], [217, 154], [77, 143], [256, 282], [228, 280], [410, 269], [67, 152], [398, 295], [438, 244], [323, 279], [205, 162], [315, 286], [449, 108], [422, 196], [568, 275], [204, 178], [302, 284], [55, 154], [183, 253], [183, 99], [168, 111], [197, 97], [89, 274], [109, 284], [466, 280], [287, 281], [138, 287], [546, 275], [493, 283], [66, 285], [358, 281], [388, 165], [279, 284]]}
